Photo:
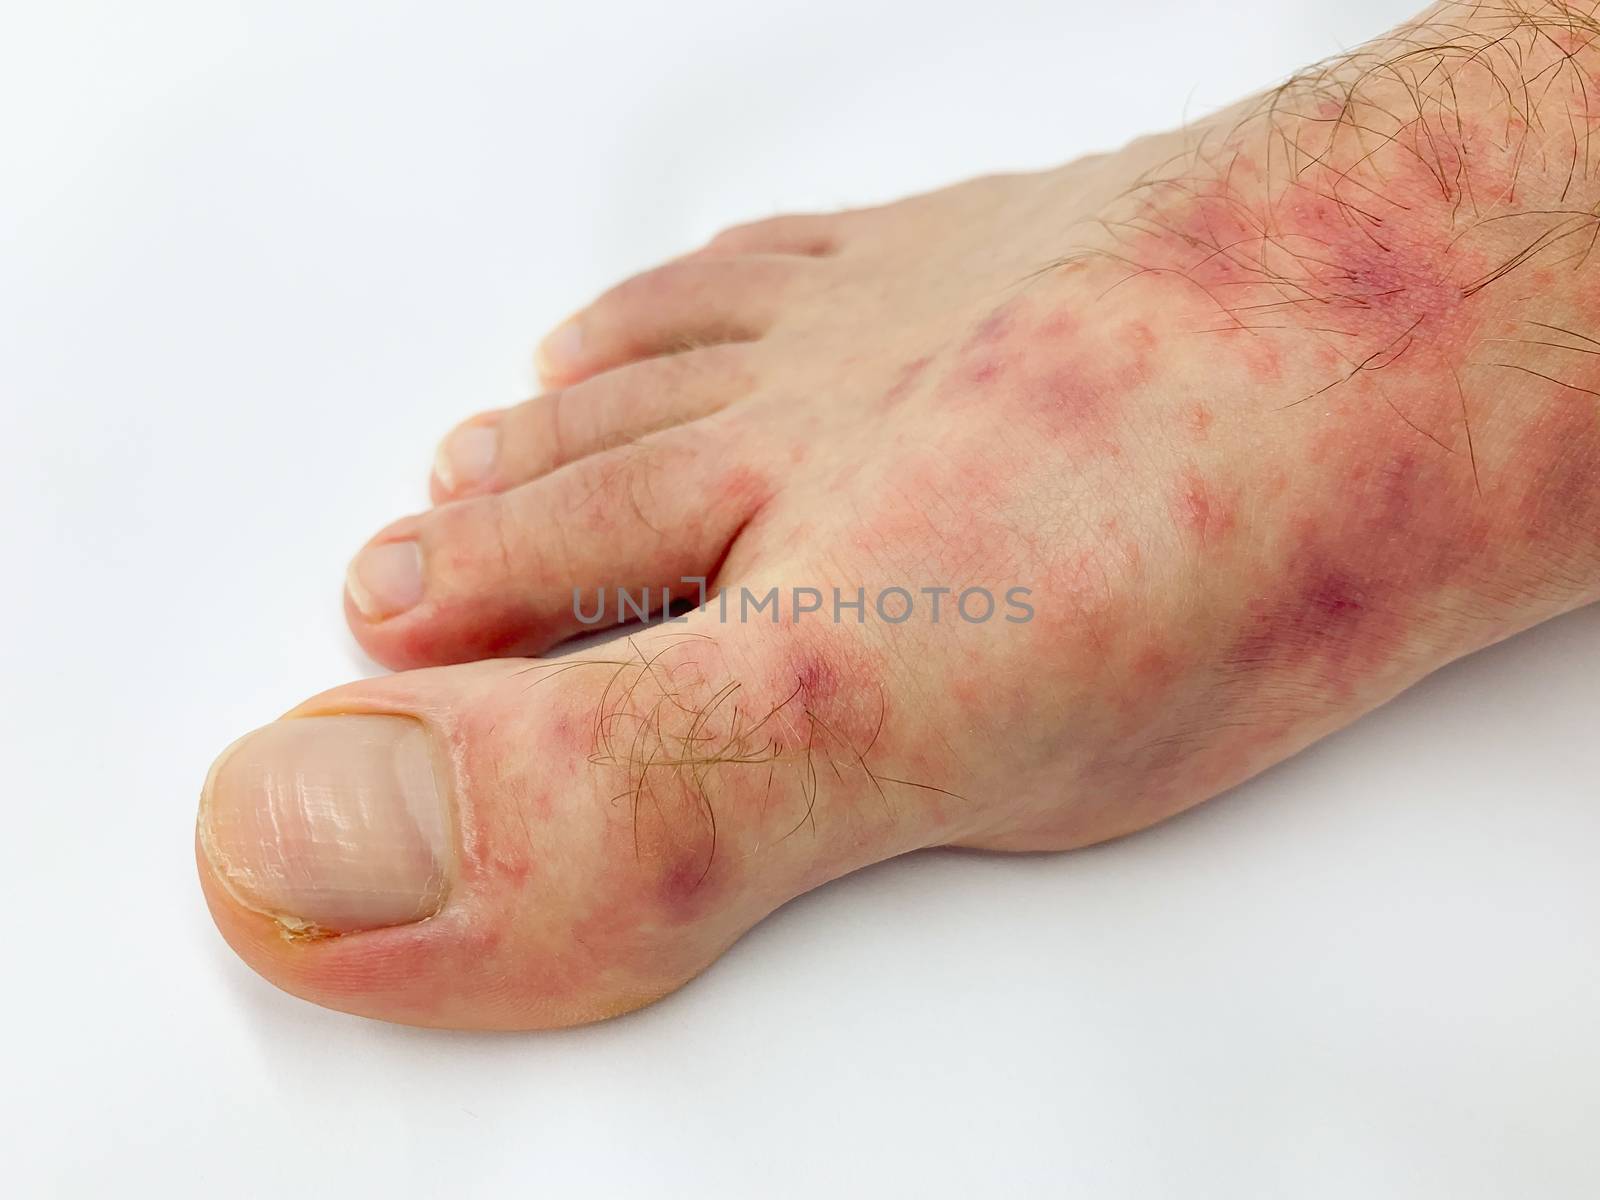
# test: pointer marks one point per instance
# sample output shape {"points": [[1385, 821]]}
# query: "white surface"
{"points": [[257, 257]]}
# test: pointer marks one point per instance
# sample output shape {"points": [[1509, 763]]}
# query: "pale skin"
{"points": [[1273, 416]]}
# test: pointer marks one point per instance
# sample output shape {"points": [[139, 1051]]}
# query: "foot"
{"points": [[1216, 443]]}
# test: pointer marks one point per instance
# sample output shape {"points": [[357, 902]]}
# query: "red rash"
{"points": [[1364, 262], [744, 487], [824, 689], [909, 376], [1373, 307], [815, 679], [1398, 535], [1075, 394], [1073, 401], [1201, 509]]}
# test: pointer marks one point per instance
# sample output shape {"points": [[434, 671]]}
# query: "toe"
{"points": [[695, 301], [494, 451], [518, 844], [410, 848], [509, 572]]}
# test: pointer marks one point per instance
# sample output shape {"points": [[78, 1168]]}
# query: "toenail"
{"points": [[386, 579], [467, 457], [330, 824], [559, 352]]}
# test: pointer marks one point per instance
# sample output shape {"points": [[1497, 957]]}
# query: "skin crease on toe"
{"points": [[1266, 440]]}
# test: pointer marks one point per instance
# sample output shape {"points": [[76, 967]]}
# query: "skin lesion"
{"points": [[1404, 213], [1399, 244], [705, 767], [1396, 250], [1398, 247]]}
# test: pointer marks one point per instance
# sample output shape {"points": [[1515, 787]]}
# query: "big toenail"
{"points": [[386, 579], [330, 824], [559, 352], [467, 457]]}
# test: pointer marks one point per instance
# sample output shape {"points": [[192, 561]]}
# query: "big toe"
{"points": [[515, 844]]}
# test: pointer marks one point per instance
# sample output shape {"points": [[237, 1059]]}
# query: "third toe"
{"points": [[695, 301]]}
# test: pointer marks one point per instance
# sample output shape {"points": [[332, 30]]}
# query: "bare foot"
{"points": [[1240, 431]]}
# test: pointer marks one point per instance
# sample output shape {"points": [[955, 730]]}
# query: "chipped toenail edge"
{"points": [[415, 747], [290, 928]]}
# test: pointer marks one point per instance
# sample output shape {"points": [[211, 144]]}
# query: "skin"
{"points": [[1274, 416]]}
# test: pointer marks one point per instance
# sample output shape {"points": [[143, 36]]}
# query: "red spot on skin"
{"points": [[1201, 509], [1297, 278], [1343, 619], [1200, 419], [1087, 395], [986, 348], [994, 328], [562, 729], [1332, 599], [970, 695], [1058, 325], [1393, 533], [1156, 667], [1570, 41], [743, 485], [984, 371], [1382, 538], [1076, 602], [980, 481], [1072, 402], [1075, 392], [815, 679], [512, 869], [1397, 522], [681, 885], [907, 379], [822, 688], [1263, 359]]}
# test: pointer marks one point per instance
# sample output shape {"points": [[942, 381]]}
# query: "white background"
{"points": [[256, 258]]}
